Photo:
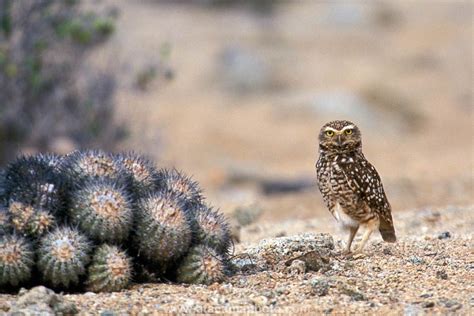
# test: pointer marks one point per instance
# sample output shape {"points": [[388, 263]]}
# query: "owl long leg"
{"points": [[352, 233], [370, 226]]}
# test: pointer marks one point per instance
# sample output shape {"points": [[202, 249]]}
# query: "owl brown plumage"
{"points": [[350, 185]]}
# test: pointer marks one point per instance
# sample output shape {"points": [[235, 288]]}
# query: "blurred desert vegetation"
{"points": [[234, 92]]}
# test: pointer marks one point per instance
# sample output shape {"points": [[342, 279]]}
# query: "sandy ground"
{"points": [[196, 123]]}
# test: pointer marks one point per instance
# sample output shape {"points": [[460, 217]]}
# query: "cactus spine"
{"points": [[102, 209], [163, 230], [212, 229], [202, 265], [182, 186], [110, 271], [16, 260], [63, 256], [142, 171]]}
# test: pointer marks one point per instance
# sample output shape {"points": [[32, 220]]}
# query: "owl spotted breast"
{"points": [[350, 185]]}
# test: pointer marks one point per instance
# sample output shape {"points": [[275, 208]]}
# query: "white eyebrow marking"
{"points": [[330, 129], [348, 127]]}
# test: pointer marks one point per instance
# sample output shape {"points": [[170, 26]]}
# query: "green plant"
{"points": [[43, 45], [142, 171], [183, 186], [163, 229], [16, 260], [102, 209], [212, 229], [202, 265], [32, 181], [110, 270], [63, 255]]}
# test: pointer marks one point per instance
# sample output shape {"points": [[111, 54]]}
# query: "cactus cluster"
{"points": [[98, 221]]}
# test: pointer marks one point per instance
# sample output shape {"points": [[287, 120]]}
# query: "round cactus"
{"points": [[142, 171], [63, 255], [16, 260], [202, 265], [212, 229], [102, 209], [110, 270], [176, 182], [33, 181], [163, 230], [51, 159], [82, 165], [25, 219]]}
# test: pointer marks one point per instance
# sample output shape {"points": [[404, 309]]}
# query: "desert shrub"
{"points": [[45, 91]]}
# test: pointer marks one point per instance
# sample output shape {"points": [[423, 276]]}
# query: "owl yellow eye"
{"points": [[348, 131], [329, 133]]}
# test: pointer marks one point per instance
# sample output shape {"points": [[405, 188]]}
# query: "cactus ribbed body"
{"points": [[33, 181], [63, 256], [102, 209], [110, 270], [212, 229], [16, 260], [51, 159], [142, 171], [28, 220], [182, 186], [163, 230], [82, 165], [202, 265]]}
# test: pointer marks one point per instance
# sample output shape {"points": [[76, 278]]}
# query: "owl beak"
{"points": [[339, 140]]}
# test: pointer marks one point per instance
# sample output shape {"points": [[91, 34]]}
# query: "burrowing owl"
{"points": [[350, 185]]}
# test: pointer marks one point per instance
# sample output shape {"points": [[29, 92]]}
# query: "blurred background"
{"points": [[235, 92]]}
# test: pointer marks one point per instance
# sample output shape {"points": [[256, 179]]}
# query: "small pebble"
{"points": [[442, 275], [444, 235], [416, 260], [427, 304], [320, 286]]}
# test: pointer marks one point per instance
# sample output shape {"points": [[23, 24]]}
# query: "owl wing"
{"points": [[366, 183]]}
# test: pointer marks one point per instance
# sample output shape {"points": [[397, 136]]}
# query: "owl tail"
{"points": [[387, 230]]}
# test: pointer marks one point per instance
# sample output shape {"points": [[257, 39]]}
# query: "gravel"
{"points": [[304, 273]]}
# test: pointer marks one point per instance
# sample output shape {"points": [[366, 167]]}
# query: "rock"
{"points": [[313, 260], [442, 275], [270, 253], [352, 293], [427, 304], [243, 263], [41, 300], [450, 304], [387, 251], [444, 235], [297, 266], [416, 260], [320, 286]]}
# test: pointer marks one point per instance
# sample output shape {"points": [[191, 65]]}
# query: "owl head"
{"points": [[340, 137]]}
